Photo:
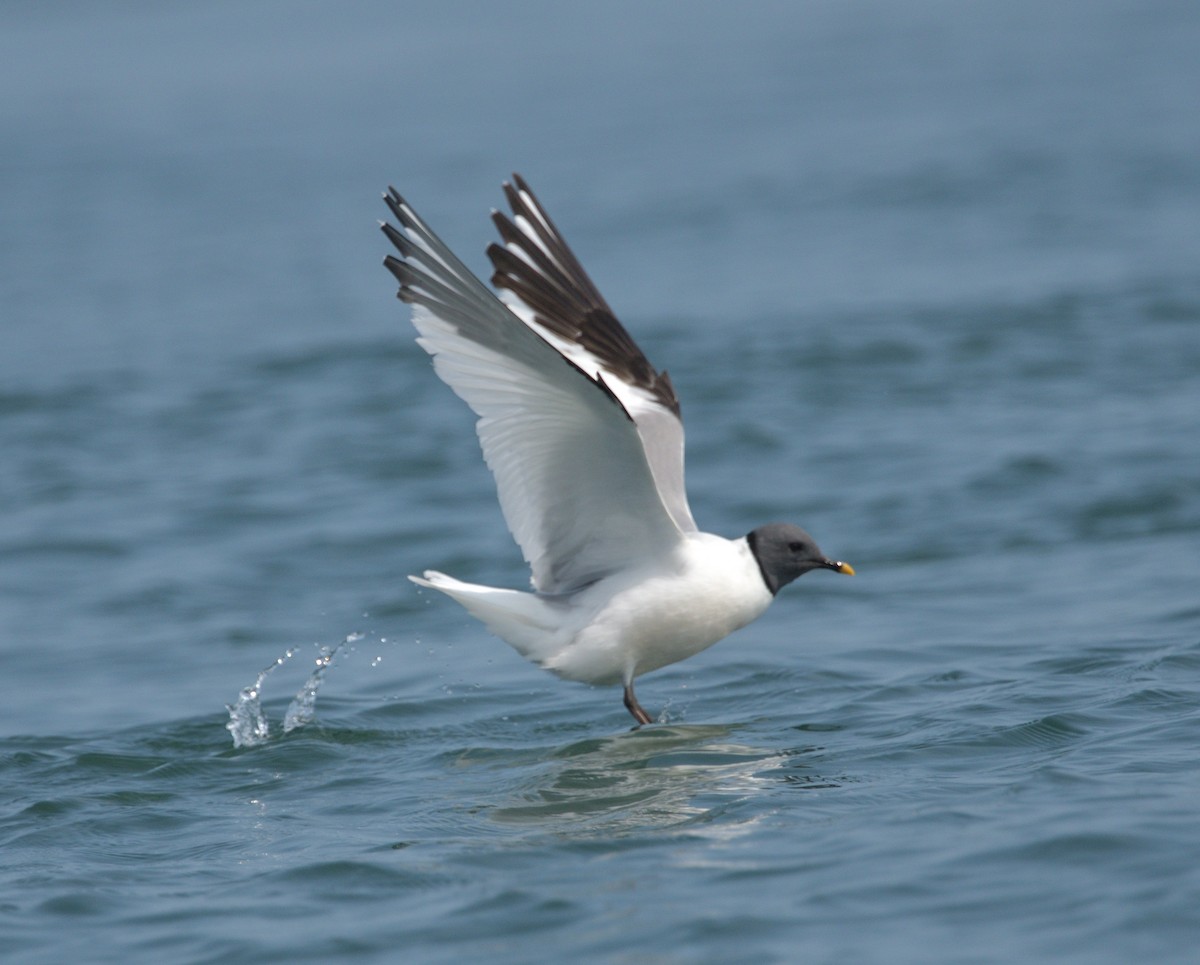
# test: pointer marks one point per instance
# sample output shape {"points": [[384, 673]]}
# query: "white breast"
{"points": [[709, 587]]}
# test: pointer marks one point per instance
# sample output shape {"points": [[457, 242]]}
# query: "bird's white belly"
{"points": [[711, 588]]}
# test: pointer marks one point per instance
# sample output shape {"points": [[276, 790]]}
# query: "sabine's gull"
{"points": [[585, 441]]}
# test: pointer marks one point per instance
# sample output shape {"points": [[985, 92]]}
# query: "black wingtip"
{"points": [[395, 203], [395, 266]]}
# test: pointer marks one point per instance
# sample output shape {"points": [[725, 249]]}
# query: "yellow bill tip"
{"points": [[845, 568]]}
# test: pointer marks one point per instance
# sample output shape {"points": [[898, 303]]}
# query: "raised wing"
{"points": [[542, 281], [571, 473]]}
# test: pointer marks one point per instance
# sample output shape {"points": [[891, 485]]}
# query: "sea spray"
{"points": [[303, 705], [247, 722]]}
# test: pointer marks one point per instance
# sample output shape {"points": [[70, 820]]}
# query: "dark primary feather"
{"points": [[563, 298], [450, 290], [433, 276]]}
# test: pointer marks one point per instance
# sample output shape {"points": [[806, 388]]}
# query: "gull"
{"points": [[585, 441]]}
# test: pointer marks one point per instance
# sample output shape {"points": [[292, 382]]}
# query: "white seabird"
{"points": [[585, 441]]}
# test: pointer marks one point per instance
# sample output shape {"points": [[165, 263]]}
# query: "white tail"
{"points": [[527, 622]]}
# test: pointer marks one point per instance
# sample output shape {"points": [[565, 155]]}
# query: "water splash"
{"points": [[302, 707], [247, 722]]}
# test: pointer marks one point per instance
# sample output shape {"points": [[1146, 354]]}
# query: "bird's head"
{"points": [[785, 552]]}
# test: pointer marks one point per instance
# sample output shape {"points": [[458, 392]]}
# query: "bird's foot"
{"points": [[632, 705]]}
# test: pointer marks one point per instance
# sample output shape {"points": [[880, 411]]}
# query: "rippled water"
{"points": [[926, 280]]}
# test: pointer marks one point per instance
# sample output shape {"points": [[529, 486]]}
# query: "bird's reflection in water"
{"points": [[647, 778]]}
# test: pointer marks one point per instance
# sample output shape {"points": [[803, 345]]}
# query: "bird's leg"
{"points": [[632, 705]]}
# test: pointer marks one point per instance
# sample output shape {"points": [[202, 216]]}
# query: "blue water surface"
{"points": [[925, 276]]}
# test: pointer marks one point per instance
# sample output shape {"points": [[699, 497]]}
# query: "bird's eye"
{"points": [[795, 547]]}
